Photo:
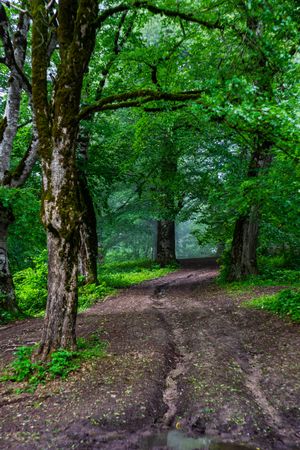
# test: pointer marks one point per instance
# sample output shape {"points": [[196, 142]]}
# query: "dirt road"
{"points": [[184, 360]]}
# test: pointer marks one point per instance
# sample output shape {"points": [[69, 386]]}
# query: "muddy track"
{"points": [[183, 355]]}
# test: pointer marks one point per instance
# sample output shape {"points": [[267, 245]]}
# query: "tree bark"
{"points": [[7, 294], [165, 242]]}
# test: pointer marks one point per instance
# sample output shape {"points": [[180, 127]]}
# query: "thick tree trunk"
{"points": [[61, 217], [88, 249], [243, 259], [7, 295], [57, 124], [165, 242]]}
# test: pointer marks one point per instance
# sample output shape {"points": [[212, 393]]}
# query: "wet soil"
{"points": [[185, 362]]}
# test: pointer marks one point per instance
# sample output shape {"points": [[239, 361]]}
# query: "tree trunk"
{"points": [[165, 242], [88, 249], [60, 319], [57, 125], [7, 294], [243, 259]]}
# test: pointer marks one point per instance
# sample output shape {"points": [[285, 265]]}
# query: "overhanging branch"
{"points": [[135, 98], [157, 10]]}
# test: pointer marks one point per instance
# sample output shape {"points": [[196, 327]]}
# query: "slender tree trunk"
{"points": [[243, 251], [88, 249], [8, 130], [165, 242], [7, 294]]}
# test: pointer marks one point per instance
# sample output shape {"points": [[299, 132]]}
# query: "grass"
{"points": [[267, 277], [61, 363], [126, 274], [285, 303]]}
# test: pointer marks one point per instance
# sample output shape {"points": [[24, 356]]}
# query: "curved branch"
{"points": [[157, 10], [18, 177], [139, 97]]}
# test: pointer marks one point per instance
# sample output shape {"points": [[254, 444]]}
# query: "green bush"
{"points": [[284, 303]]}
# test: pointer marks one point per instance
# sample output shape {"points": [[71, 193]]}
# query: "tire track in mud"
{"points": [[180, 359], [225, 342]]}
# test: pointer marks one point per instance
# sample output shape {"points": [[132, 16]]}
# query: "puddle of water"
{"points": [[176, 440]]}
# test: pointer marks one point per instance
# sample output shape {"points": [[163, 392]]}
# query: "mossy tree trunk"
{"points": [[88, 248], [57, 126], [243, 254]]}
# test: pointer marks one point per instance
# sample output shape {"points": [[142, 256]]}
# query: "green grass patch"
{"points": [[267, 277], [285, 303], [60, 364], [126, 274]]}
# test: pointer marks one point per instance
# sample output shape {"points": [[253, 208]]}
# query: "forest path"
{"points": [[183, 355]]}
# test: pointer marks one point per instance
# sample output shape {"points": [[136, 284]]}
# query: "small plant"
{"points": [[284, 303], [61, 363]]}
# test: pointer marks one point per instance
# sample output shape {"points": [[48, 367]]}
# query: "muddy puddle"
{"points": [[176, 440]]}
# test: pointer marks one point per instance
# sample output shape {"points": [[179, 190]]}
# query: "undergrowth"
{"points": [[283, 303], [60, 364]]}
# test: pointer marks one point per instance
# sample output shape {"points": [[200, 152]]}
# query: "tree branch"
{"points": [[10, 59], [14, 6], [139, 97], [18, 177], [156, 10], [118, 47]]}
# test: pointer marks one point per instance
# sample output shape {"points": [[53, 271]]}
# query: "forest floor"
{"points": [[184, 359]]}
